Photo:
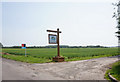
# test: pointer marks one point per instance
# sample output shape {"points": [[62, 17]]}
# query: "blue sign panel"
{"points": [[23, 47]]}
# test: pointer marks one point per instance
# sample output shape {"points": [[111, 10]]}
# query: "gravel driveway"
{"points": [[92, 69]]}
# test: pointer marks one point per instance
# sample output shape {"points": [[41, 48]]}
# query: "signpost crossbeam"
{"points": [[53, 31]]}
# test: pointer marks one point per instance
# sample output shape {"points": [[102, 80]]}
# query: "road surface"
{"points": [[0, 69], [92, 69]]}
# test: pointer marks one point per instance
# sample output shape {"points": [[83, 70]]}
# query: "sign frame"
{"points": [[49, 38]]}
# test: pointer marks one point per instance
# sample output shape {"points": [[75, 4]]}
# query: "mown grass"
{"points": [[39, 55], [115, 71], [28, 59]]}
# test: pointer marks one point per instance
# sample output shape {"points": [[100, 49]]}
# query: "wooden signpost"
{"points": [[54, 39]]}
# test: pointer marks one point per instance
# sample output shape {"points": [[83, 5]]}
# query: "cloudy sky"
{"points": [[83, 22]]}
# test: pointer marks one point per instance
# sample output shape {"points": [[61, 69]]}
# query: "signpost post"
{"points": [[54, 39]]}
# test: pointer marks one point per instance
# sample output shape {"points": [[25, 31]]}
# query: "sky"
{"points": [[82, 23]]}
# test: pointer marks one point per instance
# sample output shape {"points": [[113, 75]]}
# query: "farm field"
{"points": [[70, 54]]}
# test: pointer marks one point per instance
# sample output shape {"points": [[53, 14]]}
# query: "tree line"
{"points": [[55, 46]]}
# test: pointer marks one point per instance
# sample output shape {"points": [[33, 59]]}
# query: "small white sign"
{"points": [[52, 39]]}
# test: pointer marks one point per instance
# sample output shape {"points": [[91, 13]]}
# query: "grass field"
{"points": [[40, 55]]}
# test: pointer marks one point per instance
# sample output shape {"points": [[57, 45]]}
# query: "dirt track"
{"points": [[93, 69]]}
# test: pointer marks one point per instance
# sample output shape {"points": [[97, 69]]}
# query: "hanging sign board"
{"points": [[52, 39]]}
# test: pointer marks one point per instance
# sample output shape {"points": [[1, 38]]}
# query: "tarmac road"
{"points": [[14, 70], [93, 69]]}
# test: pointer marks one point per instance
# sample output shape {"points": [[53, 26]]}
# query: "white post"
{"points": [[25, 52]]}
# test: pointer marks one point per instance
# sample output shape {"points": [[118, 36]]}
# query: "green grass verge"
{"points": [[31, 59], [115, 71], [106, 76], [28, 59], [84, 58]]}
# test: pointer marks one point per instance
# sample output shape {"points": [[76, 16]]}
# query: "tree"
{"points": [[117, 16], [1, 45]]}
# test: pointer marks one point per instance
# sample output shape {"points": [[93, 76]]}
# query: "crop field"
{"points": [[69, 53]]}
